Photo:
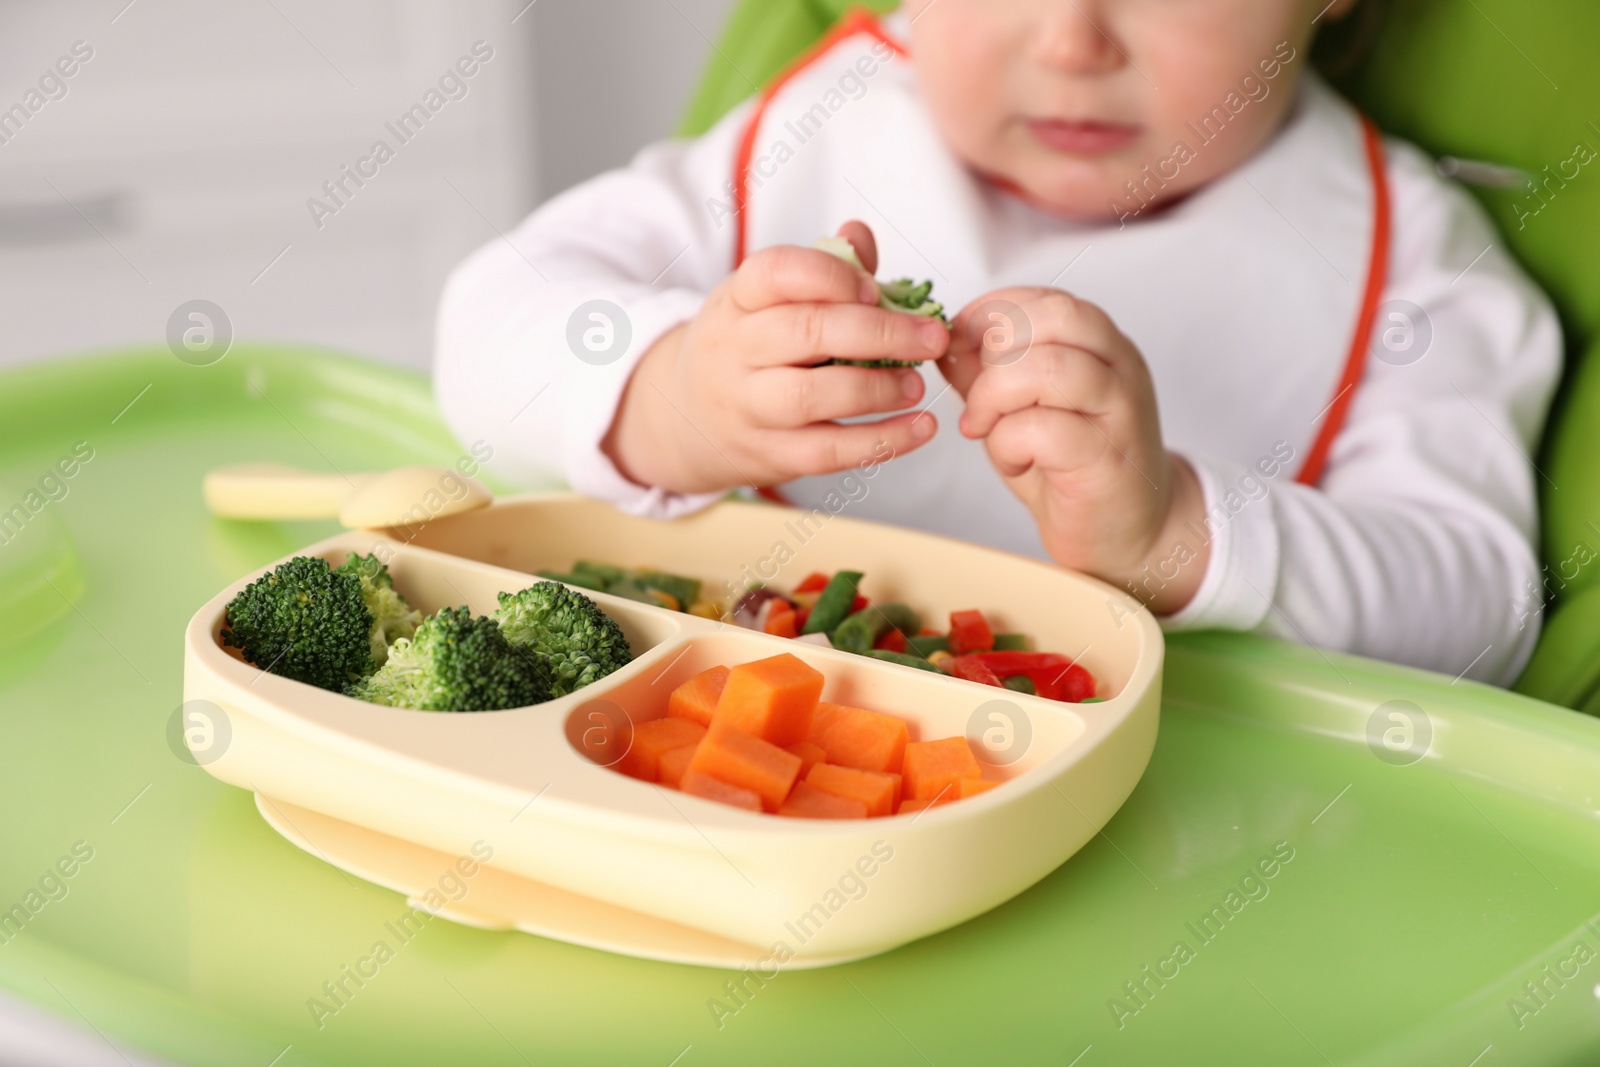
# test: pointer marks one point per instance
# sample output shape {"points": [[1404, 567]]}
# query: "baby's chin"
{"points": [[1087, 194], [1090, 189]]}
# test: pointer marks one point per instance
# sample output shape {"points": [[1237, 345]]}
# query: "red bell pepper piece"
{"points": [[1054, 676], [815, 582], [801, 614], [891, 641], [1020, 662], [974, 670], [858, 603], [969, 632], [1076, 685]]}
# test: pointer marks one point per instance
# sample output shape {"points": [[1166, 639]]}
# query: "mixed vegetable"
{"points": [[901, 294], [758, 736], [348, 630], [830, 610]]}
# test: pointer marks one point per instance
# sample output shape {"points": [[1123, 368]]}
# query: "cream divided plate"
{"points": [[495, 900], [576, 851]]}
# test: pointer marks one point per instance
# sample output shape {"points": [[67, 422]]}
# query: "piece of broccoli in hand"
{"points": [[576, 641], [456, 662], [902, 294], [305, 621], [392, 617]]}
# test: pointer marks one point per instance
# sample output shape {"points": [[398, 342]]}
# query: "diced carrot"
{"points": [[879, 792], [931, 766], [891, 641], [815, 582], [673, 763], [697, 698], [912, 804], [810, 754], [780, 620], [651, 739], [971, 787], [703, 785], [771, 698], [809, 802], [856, 737], [737, 758]]}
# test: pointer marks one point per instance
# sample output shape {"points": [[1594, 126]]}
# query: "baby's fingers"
{"points": [[825, 449], [814, 333], [1053, 376], [791, 397], [787, 274], [1047, 438]]}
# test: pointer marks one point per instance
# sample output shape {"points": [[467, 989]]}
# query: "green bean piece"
{"points": [[902, 658], [834, 604]]}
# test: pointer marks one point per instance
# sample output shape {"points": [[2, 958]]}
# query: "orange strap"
{"points": [[856, 22], [1355, 364]]}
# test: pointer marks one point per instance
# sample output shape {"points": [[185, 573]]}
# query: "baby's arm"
{"points": [[653, 239], [605, 343], [1418, 546]]}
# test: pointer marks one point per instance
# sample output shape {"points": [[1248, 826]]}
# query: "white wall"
{"points": [[180, 161], [613, 75]]}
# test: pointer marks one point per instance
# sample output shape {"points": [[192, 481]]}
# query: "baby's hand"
{"points": [[1065, 407], [736, 396]]}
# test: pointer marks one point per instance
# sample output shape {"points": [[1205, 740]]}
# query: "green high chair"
{"points": [[1457, 78], [1431, 913]]}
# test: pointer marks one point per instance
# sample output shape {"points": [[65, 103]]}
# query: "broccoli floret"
{"points": [[571, 636], [305, 621], [902, 294], [456, 662], [392, 617]]}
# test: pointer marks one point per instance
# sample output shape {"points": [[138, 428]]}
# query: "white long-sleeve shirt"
{"points": [[1416, 545]]}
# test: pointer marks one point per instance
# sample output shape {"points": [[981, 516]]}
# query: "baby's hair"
{"points": [[1342, 47]]}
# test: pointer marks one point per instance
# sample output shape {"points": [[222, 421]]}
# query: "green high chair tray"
{"points": [[1362, 864]]}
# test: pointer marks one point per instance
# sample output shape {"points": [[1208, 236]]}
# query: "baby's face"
{"points": [[1071, 100]]}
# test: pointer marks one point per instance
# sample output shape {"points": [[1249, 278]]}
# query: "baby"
{"points": [[1219, 343]]}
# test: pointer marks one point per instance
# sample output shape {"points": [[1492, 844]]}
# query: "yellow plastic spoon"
{"points": [[404, 496]]}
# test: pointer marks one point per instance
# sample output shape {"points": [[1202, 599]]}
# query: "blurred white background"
{"points": [[176, 163]]}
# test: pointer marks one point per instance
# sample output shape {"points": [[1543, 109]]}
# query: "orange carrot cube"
{"points": [[697, 698], [809, 802], [651, 739], [673, 763], [810, 755], [879, 792], [735, 757], [771, 698], [856, 737], [932, 767], [703, 785], [971, 787]]}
